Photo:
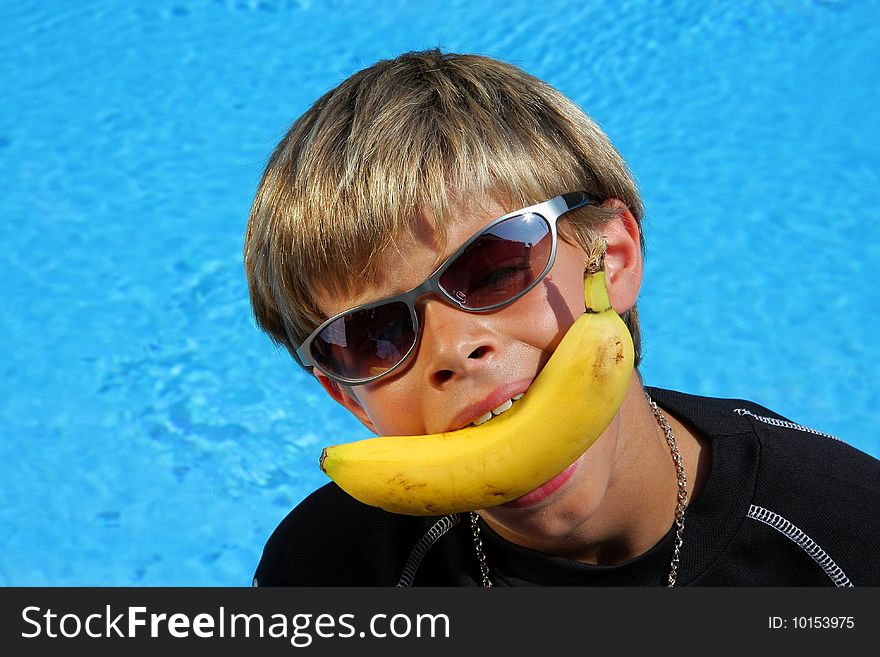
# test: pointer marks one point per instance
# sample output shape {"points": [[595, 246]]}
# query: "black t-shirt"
{"points": [[783, 505]]}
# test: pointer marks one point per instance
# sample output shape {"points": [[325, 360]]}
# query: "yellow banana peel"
{"points": [[568, 406]]}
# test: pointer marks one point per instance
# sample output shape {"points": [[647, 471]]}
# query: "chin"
{"points": [[548, 516]]}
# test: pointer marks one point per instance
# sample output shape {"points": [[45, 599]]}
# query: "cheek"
{"points": [[543, 323], [383, 407], [544, 315]]}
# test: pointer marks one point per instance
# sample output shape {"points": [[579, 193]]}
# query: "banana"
{"points": [[567, 407]]}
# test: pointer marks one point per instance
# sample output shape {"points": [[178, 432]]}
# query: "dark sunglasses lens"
{"points": [[500, 263], [366, 342]]}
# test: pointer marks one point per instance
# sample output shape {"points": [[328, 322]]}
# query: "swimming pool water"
{"points": [[150, 435]]}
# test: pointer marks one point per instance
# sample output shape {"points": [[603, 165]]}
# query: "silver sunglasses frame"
{"points": [[550, 211]]}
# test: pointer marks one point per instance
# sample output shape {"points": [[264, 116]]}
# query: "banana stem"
{"points": [[595, 293]]}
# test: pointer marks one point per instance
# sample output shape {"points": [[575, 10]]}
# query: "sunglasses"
{"points": [[494, 268]]}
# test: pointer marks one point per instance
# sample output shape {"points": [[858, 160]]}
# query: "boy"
{"points": [[375, 187]]}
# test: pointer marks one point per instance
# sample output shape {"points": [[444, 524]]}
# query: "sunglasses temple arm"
{"points": [[576, 199]]}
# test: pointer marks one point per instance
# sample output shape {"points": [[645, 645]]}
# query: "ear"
{"points": [[345, 396], [623, 258]]}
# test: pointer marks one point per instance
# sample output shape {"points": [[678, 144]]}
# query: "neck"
{"points": [[624, 497]]}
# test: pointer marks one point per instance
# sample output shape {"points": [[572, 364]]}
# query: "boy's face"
{"points": [[468, 363]]}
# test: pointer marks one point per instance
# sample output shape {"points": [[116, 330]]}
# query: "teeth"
{"points": [[482, 418], [497, 411]]}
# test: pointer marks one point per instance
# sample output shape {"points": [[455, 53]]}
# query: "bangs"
{"points": [[404, 144]]}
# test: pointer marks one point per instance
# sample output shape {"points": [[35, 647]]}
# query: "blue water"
{"points": [[150, 435]]}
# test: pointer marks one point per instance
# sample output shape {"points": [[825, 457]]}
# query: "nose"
{"points": [[455, 343]]}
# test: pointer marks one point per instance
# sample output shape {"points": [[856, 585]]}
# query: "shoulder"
{"points": [[784, 444], [331, 539], [808, 455], [809, 489], [787, 448], [819, 494]]}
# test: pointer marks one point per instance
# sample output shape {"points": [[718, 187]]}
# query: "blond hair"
{"points": [[409, 139]]}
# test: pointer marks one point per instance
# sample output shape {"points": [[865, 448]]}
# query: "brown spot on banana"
{"points": [[601, 369], [405, 483]]}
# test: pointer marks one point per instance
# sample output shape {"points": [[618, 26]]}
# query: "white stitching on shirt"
{"points": [[803, 541], [783, 423], [425, 543]]}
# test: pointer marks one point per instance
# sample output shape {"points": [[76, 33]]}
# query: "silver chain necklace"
{"points": [[680, 506]]}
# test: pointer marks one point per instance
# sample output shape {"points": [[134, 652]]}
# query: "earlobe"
{"points": [[346, 398], [623, 258]]}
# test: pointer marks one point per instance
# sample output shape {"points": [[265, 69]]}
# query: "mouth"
{"points": [[496, 403]]}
